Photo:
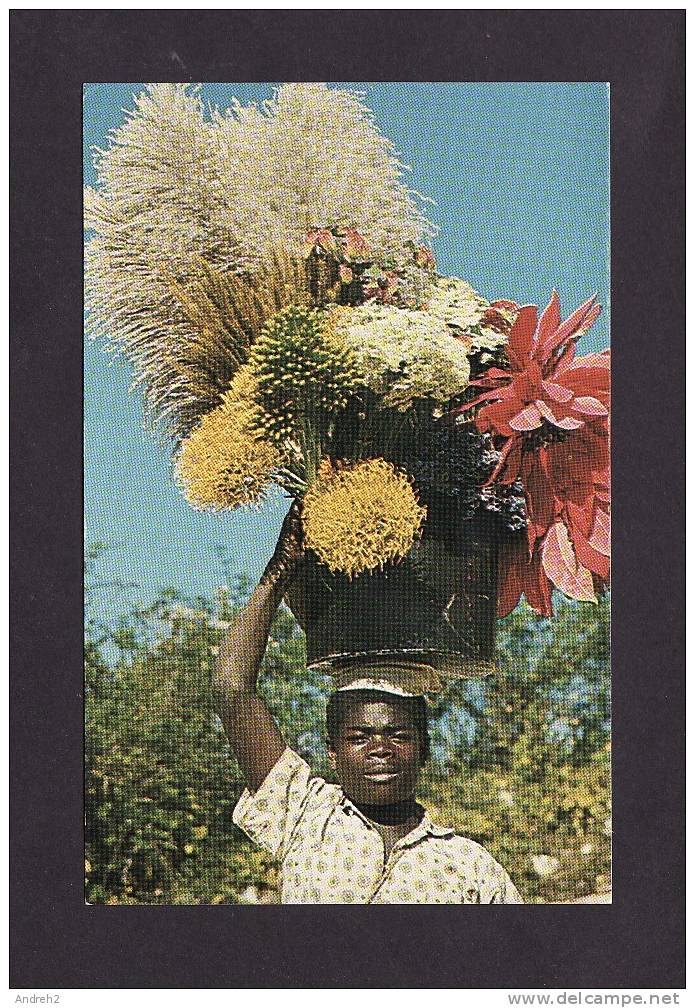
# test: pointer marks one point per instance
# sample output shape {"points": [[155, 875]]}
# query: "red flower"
{"points": [[551, 408], [519, 573], [384, 287], [424, 258], [342, 244], [355, 248], [322, 240], [499, 316]]}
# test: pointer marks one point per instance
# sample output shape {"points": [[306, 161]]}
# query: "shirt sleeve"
{"points": [[269, 815], [496, 885], [492, 884]]}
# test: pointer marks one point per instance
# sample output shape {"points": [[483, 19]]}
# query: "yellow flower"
{"points": [[225, 462], [357, 518]]}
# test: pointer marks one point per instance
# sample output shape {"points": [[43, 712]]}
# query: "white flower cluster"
{"points": [[455, 303], [404, 355]]}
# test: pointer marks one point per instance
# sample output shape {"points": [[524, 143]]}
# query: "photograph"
{"points": [[347, 493]]}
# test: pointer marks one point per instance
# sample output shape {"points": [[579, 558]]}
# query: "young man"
{"points": [[366, 840]]}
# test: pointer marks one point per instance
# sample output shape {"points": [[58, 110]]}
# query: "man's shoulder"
{"points": [[325, 790], [459, 841], [463, 849], [290, 782], [317, 788], [289, 799]]}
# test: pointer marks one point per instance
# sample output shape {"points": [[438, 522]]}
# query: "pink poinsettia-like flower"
{"points": [[499, 316], [355, 248], [549, 410]]}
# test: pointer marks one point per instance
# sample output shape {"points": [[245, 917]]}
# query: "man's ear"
{"points": [[331, 754]]}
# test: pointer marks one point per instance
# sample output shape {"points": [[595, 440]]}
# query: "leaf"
{"points": [[589, 406], [539, 597], [528, 419], [492, 373], [507, 468], [578, 322], [580, 517], [546, 411], [597, 563], [549, 320], [537, 588], [509, 587], [562, 567], [569, 423], [595, 361], [522, 333], [600, 538], [492, 394], [540, 500], [557, 392]]}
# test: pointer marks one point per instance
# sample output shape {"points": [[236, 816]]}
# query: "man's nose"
{"points": [[381, 746]]}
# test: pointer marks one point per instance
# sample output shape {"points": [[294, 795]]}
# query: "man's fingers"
{"points": [[291, 539], [292, 524]]}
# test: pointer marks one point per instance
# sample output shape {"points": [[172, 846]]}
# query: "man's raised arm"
{"points": [[250, 727]]}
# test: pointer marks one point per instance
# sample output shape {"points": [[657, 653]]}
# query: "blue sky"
{"points": [[520, 178]]}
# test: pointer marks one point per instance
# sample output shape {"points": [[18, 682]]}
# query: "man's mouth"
{"points": [[381, 776]]}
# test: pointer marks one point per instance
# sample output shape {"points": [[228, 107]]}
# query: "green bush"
{"points": [[534, 785]]}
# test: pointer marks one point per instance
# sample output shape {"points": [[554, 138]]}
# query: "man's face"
{"points": [[377, 754]]}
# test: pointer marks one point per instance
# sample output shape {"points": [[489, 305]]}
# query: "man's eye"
{"points": [[403, 737], [356, 738]]}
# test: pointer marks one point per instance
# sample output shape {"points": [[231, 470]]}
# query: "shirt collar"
{"points": [[426, 827]]}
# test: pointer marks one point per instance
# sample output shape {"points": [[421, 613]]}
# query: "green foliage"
{"points": [[161, 782], [520, 765], [533, 786]]}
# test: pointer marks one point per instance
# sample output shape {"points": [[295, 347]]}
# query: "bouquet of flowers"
{"points": [[268, 273]]}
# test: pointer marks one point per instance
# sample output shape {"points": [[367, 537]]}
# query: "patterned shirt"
{"points": [[330, 853]]}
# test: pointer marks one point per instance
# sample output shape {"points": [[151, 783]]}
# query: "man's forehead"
{"points": [[375, 713]]}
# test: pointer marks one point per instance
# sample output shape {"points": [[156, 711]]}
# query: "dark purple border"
{"points": [[636, 942]]}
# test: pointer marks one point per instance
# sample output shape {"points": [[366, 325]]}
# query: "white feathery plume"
{"points": [[312, 157], [184, 206], [149, 222]]}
